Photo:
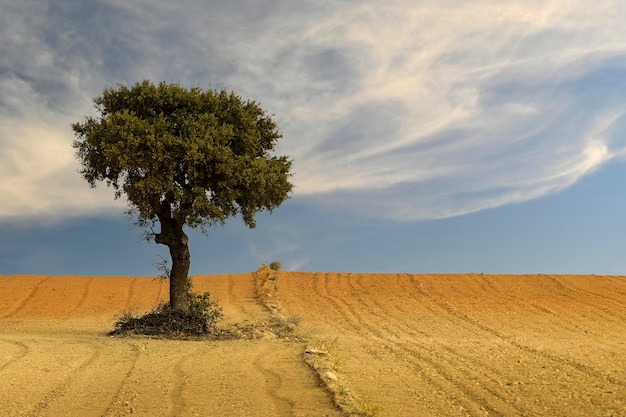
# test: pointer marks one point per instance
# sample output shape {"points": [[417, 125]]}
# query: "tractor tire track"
{"points": [[485, 397], [237, 302], [273, 385], [176, 399], [22, 352], [559, 319], [230, 291], [25, 300], [136, 353], [320, 282], [619, 282], [584, 369], [128, 304], [457, 362], [480, 368], [589, 294], [60, 389], [442, 379], [82, 299], [573, 297], [464, 363]]}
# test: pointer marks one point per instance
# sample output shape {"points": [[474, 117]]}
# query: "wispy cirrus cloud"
{"points": [[417, 111]]}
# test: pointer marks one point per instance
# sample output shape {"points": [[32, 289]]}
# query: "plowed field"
{"points": [[410, 345]]}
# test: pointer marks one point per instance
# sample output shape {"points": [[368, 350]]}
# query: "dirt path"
{"points": [[472, 345], [56, 360]]}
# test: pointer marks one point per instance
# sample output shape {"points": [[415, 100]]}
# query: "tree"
{"points": [[183, 158]]}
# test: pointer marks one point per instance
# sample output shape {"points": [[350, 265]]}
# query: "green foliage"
{"points": [[206, 155], [203, 307], [165, 321]]}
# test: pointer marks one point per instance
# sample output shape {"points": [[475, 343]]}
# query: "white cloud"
{"points": [[40, 176], [407, 110]]}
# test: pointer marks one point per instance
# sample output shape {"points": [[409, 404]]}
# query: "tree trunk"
{"points": [[179, 275], [173, 236]]}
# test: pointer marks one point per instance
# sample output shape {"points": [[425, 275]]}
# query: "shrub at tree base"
{"points": [[166, 321]]}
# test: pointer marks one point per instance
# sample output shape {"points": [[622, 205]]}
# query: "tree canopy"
{"points": [[207, 153], [183, 157]]}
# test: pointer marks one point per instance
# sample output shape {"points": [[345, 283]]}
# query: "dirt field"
{"points": [[410, 345]]}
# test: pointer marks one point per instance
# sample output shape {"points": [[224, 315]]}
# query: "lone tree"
{"points": [[183, 158]]}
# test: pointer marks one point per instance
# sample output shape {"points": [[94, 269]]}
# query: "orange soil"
{"points": [[412, 345]]}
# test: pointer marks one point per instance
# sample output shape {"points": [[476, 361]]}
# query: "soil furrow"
{"points": [[238, 302], [617, 286], [500, 360], [231, 289], [82, 299], [584, 369], [136, 353], [12, 358], [128, 304], [448, 369], [22, 303], [40, 409], [427, 371], [344, 315], [572, 297], [455, 362], [273, 385], [616, 303], [559, 319], [442, 380], [177, 399]]}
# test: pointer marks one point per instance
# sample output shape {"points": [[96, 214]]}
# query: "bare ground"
{"points": [[407, 345], [56, 359], [473, 345]]}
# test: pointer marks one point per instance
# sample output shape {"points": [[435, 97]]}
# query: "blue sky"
{"points": [[446, 136]]}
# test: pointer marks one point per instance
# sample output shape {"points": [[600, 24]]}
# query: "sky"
{"points": [[427, 136]]}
